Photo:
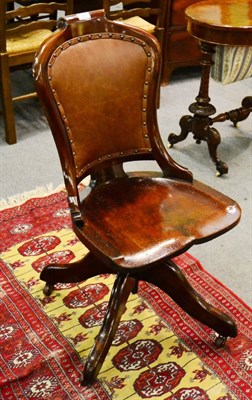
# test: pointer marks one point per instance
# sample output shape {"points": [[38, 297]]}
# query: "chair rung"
{"points": [[25, 96]]}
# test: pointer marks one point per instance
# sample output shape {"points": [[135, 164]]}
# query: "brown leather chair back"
{"points": [[105, 113]]}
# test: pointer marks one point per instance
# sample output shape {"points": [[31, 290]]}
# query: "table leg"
{"points": [[200, 122], [238, 114]]}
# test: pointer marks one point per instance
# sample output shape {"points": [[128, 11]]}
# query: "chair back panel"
{"points": [[98, 83], [103, 99]]}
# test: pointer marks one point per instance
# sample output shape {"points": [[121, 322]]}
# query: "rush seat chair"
{"points": [[23, 27], [98, 82], [149, 15]]}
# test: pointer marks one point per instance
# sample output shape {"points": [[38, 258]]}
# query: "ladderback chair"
{"points": [[98, 82], [22, 30], [149, 15]]}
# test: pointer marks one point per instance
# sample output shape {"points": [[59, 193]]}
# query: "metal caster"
{"points": [[222, 168], [48, 289], [220, 341], [172, 140]]}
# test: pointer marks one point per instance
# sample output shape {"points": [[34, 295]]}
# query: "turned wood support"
{"points": [[202, 107], [209, 22], [200, 122]]}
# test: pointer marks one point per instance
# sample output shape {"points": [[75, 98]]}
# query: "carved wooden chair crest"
{"points": [[98, 82]]}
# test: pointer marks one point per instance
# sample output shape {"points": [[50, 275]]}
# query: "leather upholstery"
{"points": [[125, 113]]}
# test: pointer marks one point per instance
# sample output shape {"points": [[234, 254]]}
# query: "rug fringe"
{"points": [[21, 198], [40, 191]]}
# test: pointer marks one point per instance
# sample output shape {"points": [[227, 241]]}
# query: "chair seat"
{"points": [[29, 41], [117, 214], [141, 23]]}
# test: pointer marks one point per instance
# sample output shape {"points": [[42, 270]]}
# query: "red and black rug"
{"points": [[159, 352]]}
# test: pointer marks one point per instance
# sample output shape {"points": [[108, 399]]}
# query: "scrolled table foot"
{"points": [[213, 140], [221, 167], [186, 127]]}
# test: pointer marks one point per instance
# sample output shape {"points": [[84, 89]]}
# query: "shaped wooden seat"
{"points": [[98, 83]]}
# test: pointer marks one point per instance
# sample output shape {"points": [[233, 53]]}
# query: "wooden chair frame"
{"points": [[98, 83]]}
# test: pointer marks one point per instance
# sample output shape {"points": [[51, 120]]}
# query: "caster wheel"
{"points": [[48, 289], [171, 139], [222, 168], [220, 341]]}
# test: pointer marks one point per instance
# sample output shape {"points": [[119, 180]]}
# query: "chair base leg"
{"points": [[78, 271], [167, 276], [171, 280], [122, 288]]}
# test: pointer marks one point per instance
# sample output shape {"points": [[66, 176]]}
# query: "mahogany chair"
{"points": [[98, 82], [22, 32], [148, 15]]}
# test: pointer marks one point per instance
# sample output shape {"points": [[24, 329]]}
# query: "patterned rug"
{"points": [[159, 352]]}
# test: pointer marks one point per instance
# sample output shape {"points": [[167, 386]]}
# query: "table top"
{"points": [[221, 21]]}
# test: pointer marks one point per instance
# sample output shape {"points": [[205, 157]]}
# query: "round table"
{"points": [[215, 22]]}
